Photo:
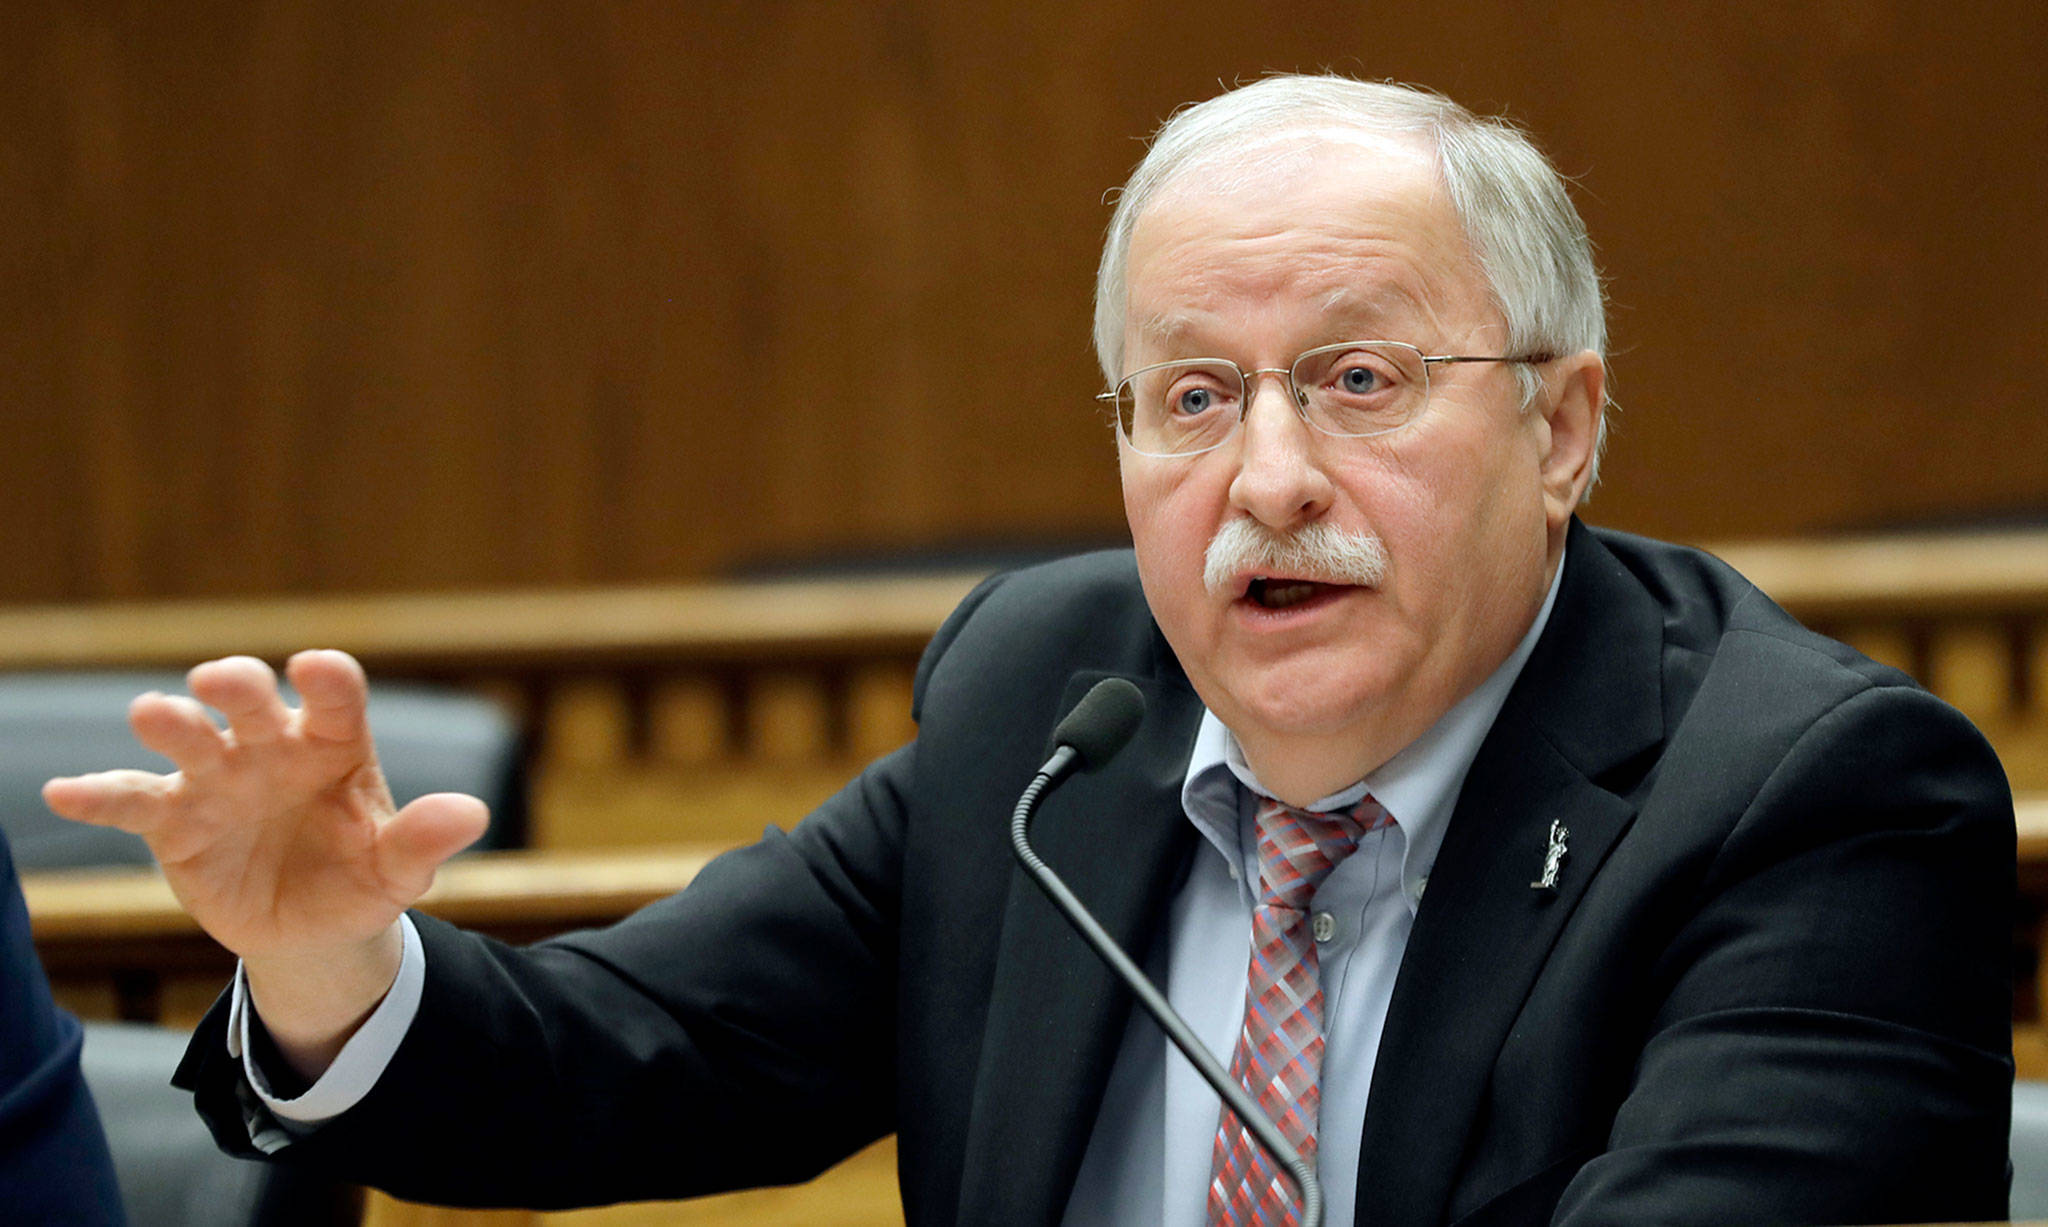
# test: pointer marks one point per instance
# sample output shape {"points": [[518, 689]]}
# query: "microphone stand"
{"points": [[1254, 1118]]}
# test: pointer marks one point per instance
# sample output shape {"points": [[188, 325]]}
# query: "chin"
{"points": [[1309, 701]]}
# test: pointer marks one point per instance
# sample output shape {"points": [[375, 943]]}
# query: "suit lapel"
{"points": [[1588, 702], [1056, 1013]]}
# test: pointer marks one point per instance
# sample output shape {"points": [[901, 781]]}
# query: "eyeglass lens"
{"points": [[1352, 389]]}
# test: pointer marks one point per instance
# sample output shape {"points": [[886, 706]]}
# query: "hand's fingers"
{"points": [[179, 729], [425, 833], [131, 800], [245, 691], [333, 692]]}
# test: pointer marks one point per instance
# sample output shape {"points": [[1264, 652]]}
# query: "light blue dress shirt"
{"points": [[1148, 1157]]}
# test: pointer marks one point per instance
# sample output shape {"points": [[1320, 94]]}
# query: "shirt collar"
{"points": [[1419, 786]]}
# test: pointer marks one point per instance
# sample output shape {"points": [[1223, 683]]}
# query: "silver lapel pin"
{"points": [[1553, 857]]}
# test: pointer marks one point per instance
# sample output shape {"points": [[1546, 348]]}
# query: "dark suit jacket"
{"points": [[54, 1166], [1770, 986]]}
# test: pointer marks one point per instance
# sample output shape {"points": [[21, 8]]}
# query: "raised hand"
{"points": [[278, 834]]}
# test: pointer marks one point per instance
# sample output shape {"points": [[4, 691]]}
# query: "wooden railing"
{"points": [[1965, 613], [706, 711], [690, 711]]}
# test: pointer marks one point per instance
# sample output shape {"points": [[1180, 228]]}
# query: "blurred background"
{"points": [[317, 297], [333, 323]]}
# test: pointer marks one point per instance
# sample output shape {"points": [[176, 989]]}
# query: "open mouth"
{"points": [[1268, 593]]}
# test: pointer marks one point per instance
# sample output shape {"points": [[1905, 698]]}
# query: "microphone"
{"points": [[1100, 725]]}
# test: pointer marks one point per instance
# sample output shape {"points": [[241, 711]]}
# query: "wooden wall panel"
{"points": [[301, 296]]}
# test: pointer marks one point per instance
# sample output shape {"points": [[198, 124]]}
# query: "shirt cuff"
{"points": [[361, 1061]]}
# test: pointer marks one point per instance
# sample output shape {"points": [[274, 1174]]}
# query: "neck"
{"points": [[1300, 772]]}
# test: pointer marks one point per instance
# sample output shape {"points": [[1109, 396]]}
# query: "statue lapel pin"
{"points": [[1553, 859]]}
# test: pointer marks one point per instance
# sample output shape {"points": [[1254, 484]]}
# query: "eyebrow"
{"points": [[1164, 328], [1387, 299]]}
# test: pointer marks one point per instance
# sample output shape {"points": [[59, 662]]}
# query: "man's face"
{"points": [[1333, 241]]}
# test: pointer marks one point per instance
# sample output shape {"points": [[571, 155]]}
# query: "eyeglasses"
{"points": [[1354, 389]]}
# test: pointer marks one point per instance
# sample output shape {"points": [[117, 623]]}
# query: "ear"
{"points": [[1574, 391]]}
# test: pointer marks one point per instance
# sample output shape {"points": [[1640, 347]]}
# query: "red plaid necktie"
{"points": [[1279, 1057]]}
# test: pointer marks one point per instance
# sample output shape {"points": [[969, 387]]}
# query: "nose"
{"points": [[1280, 479]]}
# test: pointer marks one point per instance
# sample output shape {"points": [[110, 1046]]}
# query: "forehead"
{"points": [[1315, 234]]}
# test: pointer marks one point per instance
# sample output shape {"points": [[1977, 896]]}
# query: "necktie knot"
{"points": [[1298, 848]]}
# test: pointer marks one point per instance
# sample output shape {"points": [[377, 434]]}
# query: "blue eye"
{"points": [[1358, 379], [1195, 401]]}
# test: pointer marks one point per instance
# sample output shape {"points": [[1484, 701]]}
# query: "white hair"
{"points": [[1518, 219]]}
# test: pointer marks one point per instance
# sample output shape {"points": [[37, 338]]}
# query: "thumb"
{"points": [[412, 845]]}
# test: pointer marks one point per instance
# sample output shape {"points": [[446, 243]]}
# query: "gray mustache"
{"points": [[1315, 551]]}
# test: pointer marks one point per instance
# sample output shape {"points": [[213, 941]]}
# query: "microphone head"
{"points": [[1102, 723]]}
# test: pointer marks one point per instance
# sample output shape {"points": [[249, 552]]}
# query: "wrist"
{"points": [[311, 1003]]}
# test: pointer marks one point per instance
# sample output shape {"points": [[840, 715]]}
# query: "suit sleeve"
{"points": [[738, 1034], [1832, 1039], [54, 1166]]}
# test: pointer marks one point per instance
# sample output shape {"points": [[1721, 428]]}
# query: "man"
{"points": [[54, 1165], [1521, 870]]}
